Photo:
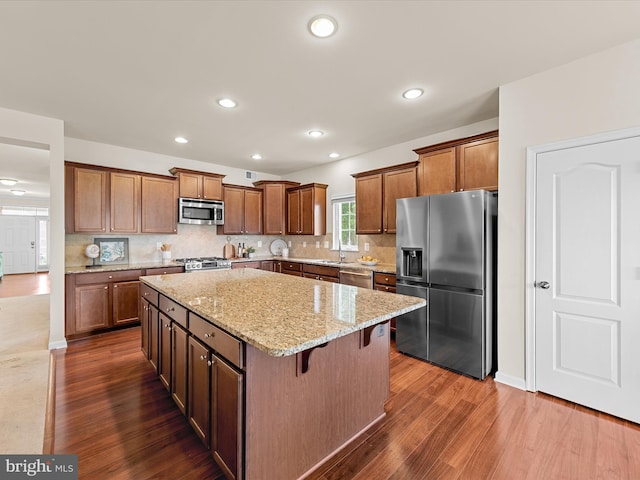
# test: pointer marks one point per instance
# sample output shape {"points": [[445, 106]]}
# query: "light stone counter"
{"points": [[280, 314], [380, 267], [115, 268]]}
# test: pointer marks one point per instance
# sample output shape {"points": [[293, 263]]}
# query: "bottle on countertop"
{"points": [[240, 250]]}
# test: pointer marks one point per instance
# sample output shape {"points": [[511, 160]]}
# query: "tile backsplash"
{"points": [[201, 240]]}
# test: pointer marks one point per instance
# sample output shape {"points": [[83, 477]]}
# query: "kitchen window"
{"points": [[344, 223]]}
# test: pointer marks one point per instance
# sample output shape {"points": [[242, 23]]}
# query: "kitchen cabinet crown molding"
{"points": [[457, 142], [176, 170], [390, 168], [116, 170]]}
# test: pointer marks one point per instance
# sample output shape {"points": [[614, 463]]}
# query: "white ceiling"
{"points": [[139, 73]]}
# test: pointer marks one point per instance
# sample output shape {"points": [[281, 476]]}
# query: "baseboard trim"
{"points": [[510, 380], [50, 412], [58, 344]]}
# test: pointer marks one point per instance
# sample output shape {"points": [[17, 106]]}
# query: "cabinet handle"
{"points": [[203, 357], [386, 279], [145, 293], [209, 363], [110, 276], [115, 286], [167, 325], [106, 288], [171, 309], [209, 335]]}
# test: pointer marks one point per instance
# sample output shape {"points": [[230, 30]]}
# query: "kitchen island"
{"points": [[294, 368]]}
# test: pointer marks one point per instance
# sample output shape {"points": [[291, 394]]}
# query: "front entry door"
{"points": [[18, 243], [587, 268]]}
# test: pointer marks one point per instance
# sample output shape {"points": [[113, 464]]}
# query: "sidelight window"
{"points": [[344, 223]]}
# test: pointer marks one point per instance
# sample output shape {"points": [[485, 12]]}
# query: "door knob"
{"points": [[543, 285]]}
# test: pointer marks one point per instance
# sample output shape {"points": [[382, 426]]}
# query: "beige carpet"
{"points": [[24, 372]]}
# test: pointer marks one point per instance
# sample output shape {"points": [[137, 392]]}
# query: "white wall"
{"points": [[30, 129], [338, 174], [93, 153], [595, 94]]}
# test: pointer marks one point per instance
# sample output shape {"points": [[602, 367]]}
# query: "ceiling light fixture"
{"points": [[18, 192], [334, 155], [8, 181], [315, 133], [322, 26], [181, 140], [256, 156], [227, 103], [413, 93]]}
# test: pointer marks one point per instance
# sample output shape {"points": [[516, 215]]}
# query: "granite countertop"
{"points": [[115, 268], [380, 267], [280, 314]]}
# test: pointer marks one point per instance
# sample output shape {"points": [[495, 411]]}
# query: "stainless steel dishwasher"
{"points": [[356, 277]]}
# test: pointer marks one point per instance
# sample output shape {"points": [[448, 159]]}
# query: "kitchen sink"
{"points": [[330, 262]]}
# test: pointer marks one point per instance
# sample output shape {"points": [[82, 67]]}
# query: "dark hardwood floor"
{"points": [[18, 285], [115, 414]]}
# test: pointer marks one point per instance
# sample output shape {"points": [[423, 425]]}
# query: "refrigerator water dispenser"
{"points": [[412, 263]]}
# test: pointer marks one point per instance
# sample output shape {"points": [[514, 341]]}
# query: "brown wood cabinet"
{"points": [[386, 282], [159, 205], [179, 363], [242, 210], [464, 164], [104, 200], [194, 184], [164, 360], [307, 209], [321, 272], [99, 301], [274, 198], [227, 409], [291, 268], [376, 195], [256, 264], [268, 265], [198, 386]]}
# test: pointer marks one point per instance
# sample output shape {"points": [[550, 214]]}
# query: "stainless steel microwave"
{"points": [[200, 212]]}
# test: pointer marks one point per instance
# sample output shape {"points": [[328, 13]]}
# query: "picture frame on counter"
{"points": [[113, 251]]}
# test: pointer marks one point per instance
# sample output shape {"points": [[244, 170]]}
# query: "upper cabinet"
{"points": [[103, 200], [465, 164], [376, 195], [194, 184], [307, 209], [274, 201], [242, 210]]}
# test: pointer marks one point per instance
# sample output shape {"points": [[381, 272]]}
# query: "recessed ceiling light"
{"points": [[413, 93], [334, 155], [18, 192], [256, 156], [181, 140], [8, 181], [227, 103], [322, 26], [315, 133]]}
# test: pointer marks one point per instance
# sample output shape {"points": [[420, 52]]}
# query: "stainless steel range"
{"points": [[204, 263]]}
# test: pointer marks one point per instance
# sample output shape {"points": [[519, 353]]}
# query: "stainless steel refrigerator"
{"points": [[446, 254]]}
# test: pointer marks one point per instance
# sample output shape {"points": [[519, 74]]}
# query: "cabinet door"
{"points": [[198, 389], [125, 302], [478, 165], [190, 185], [159, 205], [437, 172], [306, 211], [164, 349], [274, 209], [125, 203], [268, 265], [226, 417], [233, 210], [154, 336], [92, 307], [397, 184], [369, 204], [144, 326], [179, 372], [252, 212], [89, 200], [293, 212], [211, 187]]}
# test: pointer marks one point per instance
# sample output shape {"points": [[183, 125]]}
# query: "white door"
{"points": [[18, 244], [587, 269]]}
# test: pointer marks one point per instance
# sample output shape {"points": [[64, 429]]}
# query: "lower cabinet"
{"points": [[386, 282], [154, 337], [164, 361], [226, 417], [179, 362], [198, 389]]}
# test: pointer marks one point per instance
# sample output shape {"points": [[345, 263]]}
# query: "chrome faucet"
{"points": [[341, 254]]}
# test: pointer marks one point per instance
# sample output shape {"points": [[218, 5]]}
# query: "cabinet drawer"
{"points": [[173, 310], [322, 270], [223, 343], [292, 266], [255, 265], [149, 294], [103, 277], [164, 270], [384, 279], [385, 288]]}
